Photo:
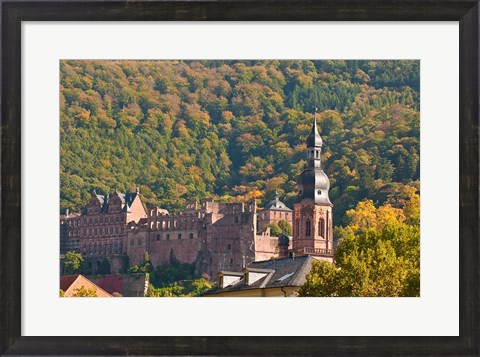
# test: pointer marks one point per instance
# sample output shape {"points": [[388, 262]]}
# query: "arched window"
{"points": [[132, 242], [308, 228], [191, 235], [321, 227]]}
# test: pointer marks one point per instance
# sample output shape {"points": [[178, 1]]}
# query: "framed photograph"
{"points": [[203, 151]]}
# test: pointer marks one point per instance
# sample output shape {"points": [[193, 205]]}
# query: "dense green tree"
{"points": [[72, 262], [185, 130], [104, 267]]}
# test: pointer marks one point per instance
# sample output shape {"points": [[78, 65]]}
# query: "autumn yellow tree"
{"points": [[378, 255]]}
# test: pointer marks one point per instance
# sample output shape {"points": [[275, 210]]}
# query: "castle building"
{"points": [[274, 212], [312, 212], [215, 236], [102, 230], [312, 238]]}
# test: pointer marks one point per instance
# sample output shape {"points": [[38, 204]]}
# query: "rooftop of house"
{"points": [[276, 204], [277, 273], [70, 283]]}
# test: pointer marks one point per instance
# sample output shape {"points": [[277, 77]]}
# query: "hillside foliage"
{"points": [[236, 130]]}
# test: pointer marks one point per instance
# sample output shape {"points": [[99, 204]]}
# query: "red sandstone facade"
{"points": [[312, 229], [101, 232], [215, 236]]}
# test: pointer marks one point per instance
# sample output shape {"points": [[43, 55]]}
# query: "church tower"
{"points": [[312, 212]]}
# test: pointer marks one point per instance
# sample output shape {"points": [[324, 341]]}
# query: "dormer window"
{"points": [[251, 276]]}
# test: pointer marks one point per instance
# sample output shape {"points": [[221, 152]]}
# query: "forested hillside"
{"points": [[235, 130]]}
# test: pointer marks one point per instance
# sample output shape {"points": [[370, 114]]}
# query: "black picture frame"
{"points": [[14, 12]]}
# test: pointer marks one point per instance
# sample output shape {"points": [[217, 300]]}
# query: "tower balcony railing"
{"points": [[316, 251]]}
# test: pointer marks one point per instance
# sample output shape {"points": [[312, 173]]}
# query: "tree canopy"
{"points": [[235, 130], [72, 262], [378, 254]]}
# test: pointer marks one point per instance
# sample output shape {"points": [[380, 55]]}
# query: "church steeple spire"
{"points": [[312, 228], [313, 183], [314, 145], [314, 139]]}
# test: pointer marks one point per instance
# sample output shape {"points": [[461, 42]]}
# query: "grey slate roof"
{"points": [[127, 199], [292, 270], [101, 199], [277, 205]]}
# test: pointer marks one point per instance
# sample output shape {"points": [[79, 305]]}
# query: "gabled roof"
{"points": [[127, 199], [71, 283], [278, 273], [276, 204], [67, 280], [101, 199]]}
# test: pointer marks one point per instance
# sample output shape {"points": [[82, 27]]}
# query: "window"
{"points": [[139, 242], [180, 236], [236, 219], [111, 230], [321, 227], [307, 228], [191, 235], [298, 226], [231, 261], [168, 236], [158, 236], [283, 277], [228, 247], [132, 242]]}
